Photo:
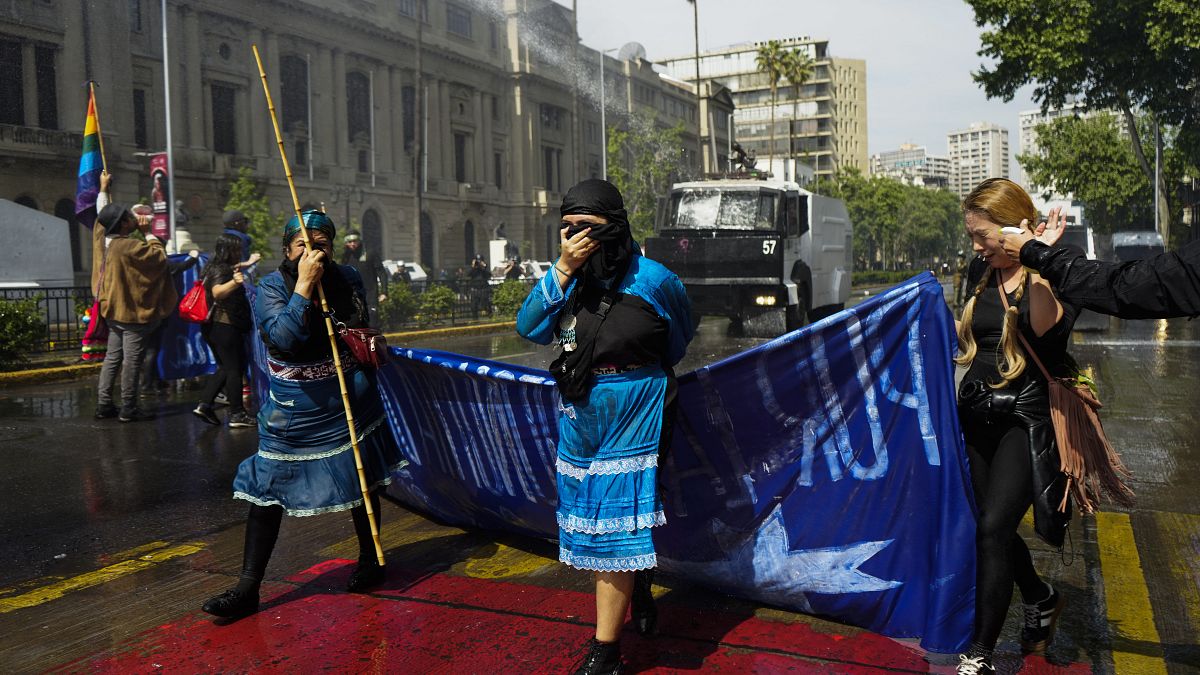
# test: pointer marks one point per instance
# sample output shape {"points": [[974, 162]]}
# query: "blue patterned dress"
{"points": [[305, 462], [609, 444]]}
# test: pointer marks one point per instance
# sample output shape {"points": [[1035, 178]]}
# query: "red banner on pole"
{"points": [[160, 197]]}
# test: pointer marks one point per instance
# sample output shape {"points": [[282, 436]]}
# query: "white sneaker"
{"points": [[974, 665]]}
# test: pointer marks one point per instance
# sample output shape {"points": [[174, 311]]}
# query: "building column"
{"points": [[29, 83], [433, 137], [260, 122], [190, 58], [320, 90], [445, 139], [384, 148], [395, 120], [340, 132], [479, 175], [486, 171], [72, 94], [271, 42]]}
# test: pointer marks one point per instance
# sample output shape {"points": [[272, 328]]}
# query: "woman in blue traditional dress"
{"points": [[305, 463], [623, 321]]}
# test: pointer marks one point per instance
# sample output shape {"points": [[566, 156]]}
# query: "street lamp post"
{"points": [[603, 124], [699, 94], [346, 192]]}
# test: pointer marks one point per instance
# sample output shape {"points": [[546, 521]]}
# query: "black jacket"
{"points": [[1162, 287]]}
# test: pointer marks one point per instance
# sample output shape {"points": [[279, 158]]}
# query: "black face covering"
{"points": [[343, 301], [601, 198]]}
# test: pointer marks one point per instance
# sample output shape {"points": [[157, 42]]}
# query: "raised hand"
{"points": [[1052, 230], [575, 250]]}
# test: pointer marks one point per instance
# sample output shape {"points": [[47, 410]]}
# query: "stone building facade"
{"points": [[978, 152], [506, 112], [824, 124]]}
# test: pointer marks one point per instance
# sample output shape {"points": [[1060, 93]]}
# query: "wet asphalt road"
{"points": [[74, 490]]}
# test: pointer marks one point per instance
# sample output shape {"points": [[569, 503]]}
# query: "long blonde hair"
{"points": [[1004, 203]]}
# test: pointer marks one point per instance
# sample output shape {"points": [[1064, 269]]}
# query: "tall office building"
{"points": [[976, 153], [822, 123], [914, 165]]}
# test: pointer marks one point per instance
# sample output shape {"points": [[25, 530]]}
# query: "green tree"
{"points": [[1125, 55], [436, 303], [21, 330], [643, 161], [895, 224], [400, 307], [508, 298], [797, 70], [771, 60], [247, 196], [1087, 158]]}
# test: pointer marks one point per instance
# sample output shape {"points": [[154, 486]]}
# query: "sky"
{"points": [[920, 54]]}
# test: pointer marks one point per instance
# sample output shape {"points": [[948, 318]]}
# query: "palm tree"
{"points": [[797, 69], [770, 61]]}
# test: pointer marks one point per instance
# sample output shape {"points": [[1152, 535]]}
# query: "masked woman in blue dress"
{"points": [[305, 463], [623, 321]]}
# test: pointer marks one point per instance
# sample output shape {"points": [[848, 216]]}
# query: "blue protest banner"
{"points": [[823, 471], [184, 353]]}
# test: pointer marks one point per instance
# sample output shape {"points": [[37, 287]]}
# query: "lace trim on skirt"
{"points": [[354, 503], [608, 467], [627, 564], [573, 523]]}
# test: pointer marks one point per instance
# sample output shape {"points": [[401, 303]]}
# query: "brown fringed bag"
{"points": [[1092, 466]]}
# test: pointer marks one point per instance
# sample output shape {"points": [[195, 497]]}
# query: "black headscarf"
{"points": [[345, 304], [598, 197]]}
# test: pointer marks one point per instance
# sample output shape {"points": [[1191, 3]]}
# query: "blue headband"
{"points": [[313, 220]]}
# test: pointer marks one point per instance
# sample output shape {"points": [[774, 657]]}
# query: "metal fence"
{"points": [[61, 309], [472, 302]]}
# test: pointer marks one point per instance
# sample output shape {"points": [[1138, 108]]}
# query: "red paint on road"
{"points": [[438, 623]]}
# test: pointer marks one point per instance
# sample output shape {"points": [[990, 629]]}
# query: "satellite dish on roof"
{"points": [[632, 51]]}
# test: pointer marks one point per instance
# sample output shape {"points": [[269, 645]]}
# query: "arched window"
{"points": [[469, 241], [358, 105], [26, 201], [372, 233]]}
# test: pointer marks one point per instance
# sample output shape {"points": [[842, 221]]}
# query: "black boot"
{"points": [[367, 575], [642, 607], [232, 604], [603, 658]]}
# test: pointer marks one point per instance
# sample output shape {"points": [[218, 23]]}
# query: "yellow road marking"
{"points": [[506, 562], [1130, 615], [136, 551], [127, 554], [1180, 531], [100, 576], [395, 534]]}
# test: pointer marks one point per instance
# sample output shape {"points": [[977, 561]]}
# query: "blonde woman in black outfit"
{"points": [[1005, 413]]}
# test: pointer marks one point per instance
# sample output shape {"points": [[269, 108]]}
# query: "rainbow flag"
{"points": [[90, 165]]}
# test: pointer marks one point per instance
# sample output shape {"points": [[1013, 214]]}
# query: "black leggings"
{"points": [[1001, 473], [262, 531], [229, 346]]}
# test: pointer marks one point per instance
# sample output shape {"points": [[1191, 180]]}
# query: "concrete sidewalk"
{"points": [[35, 374]]}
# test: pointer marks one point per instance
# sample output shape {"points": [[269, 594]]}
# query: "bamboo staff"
{"points": [[99, 133], [337, 359]]}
